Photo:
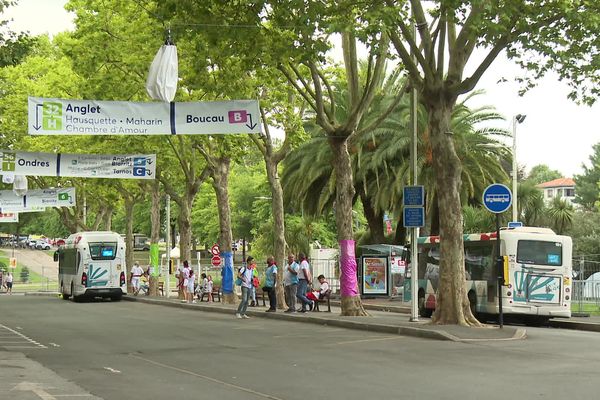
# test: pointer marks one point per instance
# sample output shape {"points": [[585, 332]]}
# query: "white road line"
{"points": [[116, 371], [54, 344], [208, 378], [19, 334]]}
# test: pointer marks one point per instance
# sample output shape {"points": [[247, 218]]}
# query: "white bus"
{"points": [[537, 273], [92, 264]]}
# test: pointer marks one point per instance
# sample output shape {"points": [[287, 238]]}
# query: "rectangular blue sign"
{"points": [[515, 224], [414, 196], [414, 217]]}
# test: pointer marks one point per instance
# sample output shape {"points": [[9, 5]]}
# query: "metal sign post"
{"points": [[414, 217], [497, 198]]}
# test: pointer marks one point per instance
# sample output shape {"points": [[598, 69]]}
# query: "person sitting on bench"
{"points": [[315, 295]]}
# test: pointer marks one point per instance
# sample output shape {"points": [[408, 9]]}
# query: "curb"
{"points": [[575, 325], [357, 325]]}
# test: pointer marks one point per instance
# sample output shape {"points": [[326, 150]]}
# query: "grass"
{"points": [[592, 308], [35, 281]]}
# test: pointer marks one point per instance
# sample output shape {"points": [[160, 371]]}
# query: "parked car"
{"points": [[32, 244], [42, 245]]}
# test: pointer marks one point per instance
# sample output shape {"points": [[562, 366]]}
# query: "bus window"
{"points": [[103, 251], [479, 261], [539, 252]]}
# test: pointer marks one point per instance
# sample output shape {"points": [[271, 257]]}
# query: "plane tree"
{"points": [[455, 43]]}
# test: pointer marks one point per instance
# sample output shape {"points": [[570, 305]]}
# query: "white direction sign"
{"points": [[93, 117], [60, 197], [137, 166], [9, 217]]}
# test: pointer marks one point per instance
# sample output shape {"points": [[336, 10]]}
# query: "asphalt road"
{"points": [[135, 351]]}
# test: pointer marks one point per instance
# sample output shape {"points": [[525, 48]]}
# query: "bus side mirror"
{"points": [[55, 256]]}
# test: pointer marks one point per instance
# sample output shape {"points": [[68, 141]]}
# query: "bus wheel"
{"points": [[62, 292], [73, 297], [116, 297]]}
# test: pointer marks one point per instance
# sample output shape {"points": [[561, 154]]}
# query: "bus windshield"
{"points": [[103, 251], [539, 252]]}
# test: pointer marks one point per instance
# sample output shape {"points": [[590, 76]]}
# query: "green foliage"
{"points": [[477, 220], [587, 191], [561, 215], [585, 231], [542, 173], [24, 274]]}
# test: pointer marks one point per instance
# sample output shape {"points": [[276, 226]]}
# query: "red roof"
{"points": [[560, 182]]}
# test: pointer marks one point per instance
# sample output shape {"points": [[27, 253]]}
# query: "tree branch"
{"points": [[309, 100]]}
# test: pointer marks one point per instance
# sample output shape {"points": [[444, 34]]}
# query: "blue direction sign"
{"points": [[414, 217], [497, 198], [414, 196]]}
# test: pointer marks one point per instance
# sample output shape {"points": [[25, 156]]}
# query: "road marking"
{"points": [[374, 339], [54, 344], [21, 336], [208, 378], [36, 388], [116, 371]]}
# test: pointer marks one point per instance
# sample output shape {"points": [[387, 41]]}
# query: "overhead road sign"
{"points": [[497, 198], [93, 117], [136, 166], [60, 197], [9, 217]]}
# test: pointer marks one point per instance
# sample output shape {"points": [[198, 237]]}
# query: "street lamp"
{"points": [[517, 119]]}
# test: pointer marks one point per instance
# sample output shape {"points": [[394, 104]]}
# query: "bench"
{"points": [[261, 293], [161, 289], [216, 293], [326, 297]]}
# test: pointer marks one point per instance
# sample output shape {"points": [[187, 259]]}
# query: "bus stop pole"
{"points": [[414, 259], [500, 266]]}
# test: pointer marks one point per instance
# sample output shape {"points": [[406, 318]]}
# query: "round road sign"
{"points": [[215, 261], [215, 250], [497, 198]]}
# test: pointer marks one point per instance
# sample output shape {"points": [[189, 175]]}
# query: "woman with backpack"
{"points": [[245, 275]]}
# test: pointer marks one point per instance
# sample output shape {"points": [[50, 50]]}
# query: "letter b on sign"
{"points": [[238, 117]]}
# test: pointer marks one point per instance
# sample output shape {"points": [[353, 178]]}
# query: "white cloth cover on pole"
{"points": [[8, 178], [20, 185], [163, 74]]}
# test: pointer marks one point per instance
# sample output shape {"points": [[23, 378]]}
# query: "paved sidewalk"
{"points": [[379, 321]]}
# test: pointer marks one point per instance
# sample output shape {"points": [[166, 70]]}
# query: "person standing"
{"points": [[136, 275], [245, 274], [190, 282], [304, 278], [183, 279], [290, 283], [9, 283], [209, 289], [270, 283]]}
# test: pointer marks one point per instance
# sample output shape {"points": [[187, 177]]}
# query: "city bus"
{"points": [[92, 264], [537, 273]]}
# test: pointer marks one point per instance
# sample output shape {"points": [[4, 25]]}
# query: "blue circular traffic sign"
{"points": [[497, 198]]}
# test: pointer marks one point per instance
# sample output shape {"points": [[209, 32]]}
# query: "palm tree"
{"points": [[561, 214], [531, 204]]}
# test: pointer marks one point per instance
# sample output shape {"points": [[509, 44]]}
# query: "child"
{"points": [[209, 288], [315, 295], [202, 286], [191, 281]]}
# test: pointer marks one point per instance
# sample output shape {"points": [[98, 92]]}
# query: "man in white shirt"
{"points": [[304, 278], [136, 274]]}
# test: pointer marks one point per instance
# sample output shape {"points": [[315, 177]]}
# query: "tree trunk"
{"points": [[278, 227], [351, 302], [374, 219], [400, 234], [447, 168], [107, 220], [184, 221], [129, 204], [154, 238], [220, 177]]}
